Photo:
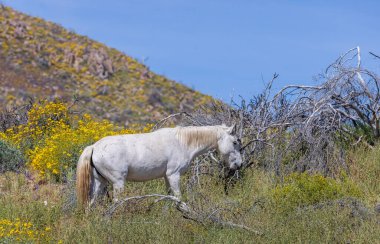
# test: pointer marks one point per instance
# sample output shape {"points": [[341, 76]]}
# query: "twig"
{"points": [[160, 123], [376, 56], [357, 142], [163, 121]]}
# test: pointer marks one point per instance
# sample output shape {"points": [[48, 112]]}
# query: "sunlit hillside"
{"points": [[40, 59]]}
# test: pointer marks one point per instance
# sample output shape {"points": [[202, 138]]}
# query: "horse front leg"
{"points": [[167, 185], [173, 183], [118, 187]]}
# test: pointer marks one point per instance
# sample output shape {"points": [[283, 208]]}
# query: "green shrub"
{"points": [[11, 159], [301, 189]]}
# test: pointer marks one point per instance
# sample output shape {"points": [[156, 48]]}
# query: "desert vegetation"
{"points": [[310, 174]]}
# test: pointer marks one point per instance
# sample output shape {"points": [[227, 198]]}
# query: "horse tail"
{"points": [[84, 175]]}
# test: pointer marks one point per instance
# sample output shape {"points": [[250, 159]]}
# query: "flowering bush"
{"points": [[21, 231], [44, 120], [53, 139], [304, 189], [62, 149]]}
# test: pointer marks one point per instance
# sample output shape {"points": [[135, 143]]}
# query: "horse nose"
{"points": [[236, 166]]}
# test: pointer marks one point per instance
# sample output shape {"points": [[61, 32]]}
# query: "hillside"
{"points": [[40, 59]]}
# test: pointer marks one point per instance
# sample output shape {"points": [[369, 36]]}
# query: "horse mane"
{"points": [[196, 136]]}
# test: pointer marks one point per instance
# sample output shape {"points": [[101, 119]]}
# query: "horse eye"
{"points": [[237, 142]]}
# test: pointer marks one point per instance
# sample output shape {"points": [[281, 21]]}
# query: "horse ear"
{"points": [[231, 129]]}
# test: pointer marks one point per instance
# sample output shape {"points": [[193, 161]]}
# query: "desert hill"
{"points": [[40, 59]]}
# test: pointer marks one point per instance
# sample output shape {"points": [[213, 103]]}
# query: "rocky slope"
{"points": [[40, 59]]}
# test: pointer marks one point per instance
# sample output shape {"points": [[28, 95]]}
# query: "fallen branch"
{"points": [[185, 210]]}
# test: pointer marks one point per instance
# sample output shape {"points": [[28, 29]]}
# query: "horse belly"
{"points": [[146, 171]]}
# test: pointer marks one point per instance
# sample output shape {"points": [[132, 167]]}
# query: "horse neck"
{"points": [[195, 152], [198, 141]]}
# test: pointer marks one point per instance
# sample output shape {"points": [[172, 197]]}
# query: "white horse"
{"points": [[140, 157]]}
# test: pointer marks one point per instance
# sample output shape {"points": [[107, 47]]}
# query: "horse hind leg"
{"points": [[98, 187], [118, 181]]}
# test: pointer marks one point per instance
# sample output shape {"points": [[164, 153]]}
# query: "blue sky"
{"points": [[223, 48]]}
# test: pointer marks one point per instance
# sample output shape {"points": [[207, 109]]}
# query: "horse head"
{"points": [[229, 147]]}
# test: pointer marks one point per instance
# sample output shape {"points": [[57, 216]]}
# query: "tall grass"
{"points": [[364, 165]]}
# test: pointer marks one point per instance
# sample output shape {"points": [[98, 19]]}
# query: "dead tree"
{"points": [[305, 127]]}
